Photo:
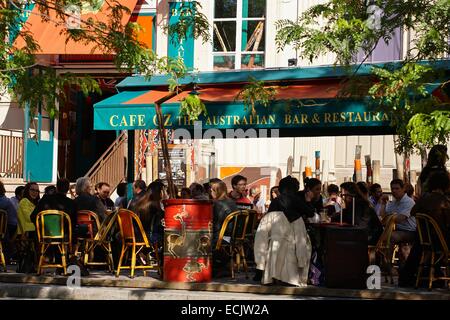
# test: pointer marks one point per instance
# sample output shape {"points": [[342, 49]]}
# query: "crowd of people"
{"points": [[146, 202], [282, 244], [357, 204]]}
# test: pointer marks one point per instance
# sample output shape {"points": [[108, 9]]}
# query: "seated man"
{"points": [[121, 201], [86, 201], [405, 229], [313, 187], [365, 216], [104, 191], [376, 192], [239, 192], [198, 192], [334, 202], [139, 189], [57, 201]]}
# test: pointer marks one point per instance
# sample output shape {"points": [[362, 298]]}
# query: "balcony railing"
{"points": [[11, 156]]}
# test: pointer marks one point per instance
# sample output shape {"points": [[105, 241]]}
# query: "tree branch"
{"points": [[20, 68]]}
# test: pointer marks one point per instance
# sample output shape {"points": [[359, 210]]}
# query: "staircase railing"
{"points": [[111, 166], [11, 156]]}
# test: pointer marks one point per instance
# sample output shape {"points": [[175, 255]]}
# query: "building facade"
{"points": [[242, 38], [234, 27]]}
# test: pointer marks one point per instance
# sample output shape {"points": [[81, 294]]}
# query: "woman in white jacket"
{"points": [[282, 246]]}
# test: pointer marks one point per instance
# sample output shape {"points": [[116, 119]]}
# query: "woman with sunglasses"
{"points": [[365, 215], [26, 228]]}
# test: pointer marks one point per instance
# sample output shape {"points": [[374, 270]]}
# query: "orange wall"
{"points": [[145, 35]]}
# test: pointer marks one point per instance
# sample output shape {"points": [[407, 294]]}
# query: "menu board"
{"points": [[178, 165]]}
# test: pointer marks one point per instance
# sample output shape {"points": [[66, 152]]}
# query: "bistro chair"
{"points": [[101, 241], [253, 222], [3, 225], [383, 248], [434, 250], [89, 220], [250, 232], [51, 228], [235, 229], [131, 241]]}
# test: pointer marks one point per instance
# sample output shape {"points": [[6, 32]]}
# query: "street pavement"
{"points": [[102, 285], [37, 291]]}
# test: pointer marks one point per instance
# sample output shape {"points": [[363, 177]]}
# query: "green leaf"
{"points": [[255, 92]]}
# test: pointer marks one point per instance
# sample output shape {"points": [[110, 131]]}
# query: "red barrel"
{"points": [[187, 240]]}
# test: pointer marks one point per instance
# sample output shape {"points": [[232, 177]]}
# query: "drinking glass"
{"points": [[324, 215]]}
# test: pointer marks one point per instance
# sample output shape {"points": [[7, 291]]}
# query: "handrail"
{"points": [[118, 140], [110, 167]]}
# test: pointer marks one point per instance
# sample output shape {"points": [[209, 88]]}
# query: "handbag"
{"points": [[315, 271]]}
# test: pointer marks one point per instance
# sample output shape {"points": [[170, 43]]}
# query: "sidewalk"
{"points": [[125, 288], [58, 292]]}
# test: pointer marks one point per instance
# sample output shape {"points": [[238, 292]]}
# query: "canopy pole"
{"points": [[163, 138], [130, 164], [165, 150]]}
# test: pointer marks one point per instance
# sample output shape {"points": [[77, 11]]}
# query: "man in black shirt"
{"points": [[104, 190], [139, 189], [57, 201], [290, 202], [86, 201], [312, 194]]}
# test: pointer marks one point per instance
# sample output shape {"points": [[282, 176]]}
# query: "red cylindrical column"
{"points": [[187, 240]]}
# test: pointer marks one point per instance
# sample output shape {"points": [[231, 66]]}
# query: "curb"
{"points": [[33, 291]]}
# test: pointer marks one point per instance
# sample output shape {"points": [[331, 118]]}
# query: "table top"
{"points": [[330, 224]]}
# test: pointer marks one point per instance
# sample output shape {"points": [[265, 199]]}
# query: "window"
{"points": [[239, 34]]}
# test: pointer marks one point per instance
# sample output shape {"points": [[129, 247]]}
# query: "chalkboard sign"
{"points": [[178, 163]]}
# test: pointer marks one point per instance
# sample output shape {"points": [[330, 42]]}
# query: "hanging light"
{"points": [[195, 89]]}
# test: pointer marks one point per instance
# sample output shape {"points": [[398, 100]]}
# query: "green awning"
{"points": [[130, 110], [306, 103]]}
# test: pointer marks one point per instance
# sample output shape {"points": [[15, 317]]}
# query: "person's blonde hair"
{"points": [[220, 189]]}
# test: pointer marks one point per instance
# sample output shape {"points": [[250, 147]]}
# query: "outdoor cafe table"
{"points": [[341, 253]]}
